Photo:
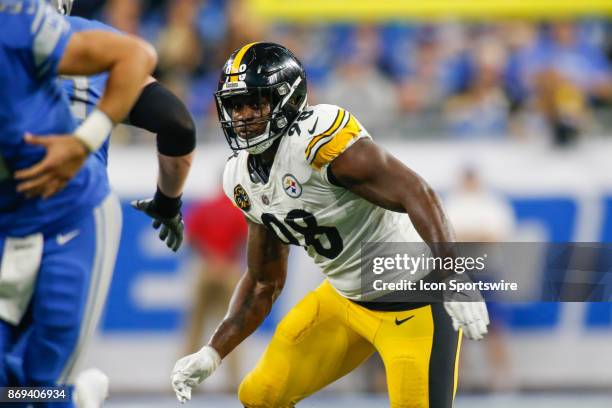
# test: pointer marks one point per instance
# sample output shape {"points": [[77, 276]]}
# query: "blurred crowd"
{"points": [[519, 79]]}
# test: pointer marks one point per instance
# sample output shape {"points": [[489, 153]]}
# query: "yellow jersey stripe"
{"points": [[331, 130], [344, 121], [331, 149], [238, 61], [456, 379]]}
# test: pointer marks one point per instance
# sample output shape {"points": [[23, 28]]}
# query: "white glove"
{"points": [[471, 316], [191, 370]]}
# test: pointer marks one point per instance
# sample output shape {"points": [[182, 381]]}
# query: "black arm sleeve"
{"points": [[159, 111]]}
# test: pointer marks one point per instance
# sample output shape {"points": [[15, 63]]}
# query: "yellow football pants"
{"points": [[326, 336]]}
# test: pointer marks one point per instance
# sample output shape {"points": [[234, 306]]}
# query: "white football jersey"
{"points": [[304, 208]]}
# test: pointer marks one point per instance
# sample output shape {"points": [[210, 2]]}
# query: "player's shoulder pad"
{"points": [[334, 130]]}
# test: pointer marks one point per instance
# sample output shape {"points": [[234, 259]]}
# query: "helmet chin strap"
{"points": [[261, 147]]}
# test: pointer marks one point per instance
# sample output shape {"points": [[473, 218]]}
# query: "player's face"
{"points": [[250, 114]]}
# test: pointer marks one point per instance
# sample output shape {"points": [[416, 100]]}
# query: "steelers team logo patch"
{"points": [[292, 187], [241, 198]]}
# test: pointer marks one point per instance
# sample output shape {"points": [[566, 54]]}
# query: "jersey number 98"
{"points": [[304, 223]]}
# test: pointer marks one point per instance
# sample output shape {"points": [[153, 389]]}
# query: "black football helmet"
{"points": [[268, 78]]}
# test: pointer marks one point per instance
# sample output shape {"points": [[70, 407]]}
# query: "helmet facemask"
{"points": [[252, 118]]}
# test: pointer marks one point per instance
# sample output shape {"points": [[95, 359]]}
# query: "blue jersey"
{"points": [[32, 41], [84, 92]]}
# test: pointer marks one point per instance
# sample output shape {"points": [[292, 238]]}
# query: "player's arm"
{"points": [[129, 61], [252, 300], [370, 172], [159, 111], [256, 291]]}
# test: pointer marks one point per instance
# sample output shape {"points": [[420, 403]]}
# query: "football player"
{"points": [[159, 111], [58, 251], [312, 176]]}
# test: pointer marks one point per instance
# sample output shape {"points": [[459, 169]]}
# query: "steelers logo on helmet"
{"points": [[261, 92], [292, 186]]}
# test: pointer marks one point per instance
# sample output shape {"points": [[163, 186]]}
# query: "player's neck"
{"points": [[260, 165], [267, 157]]}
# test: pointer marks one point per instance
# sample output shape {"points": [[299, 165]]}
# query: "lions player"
{"points": [[57, 252], [312, 176], [159, 111]]}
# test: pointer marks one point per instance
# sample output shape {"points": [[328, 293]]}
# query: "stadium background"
{"points": [[520, 93]]}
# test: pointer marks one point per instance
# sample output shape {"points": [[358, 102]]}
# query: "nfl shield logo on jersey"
{"points": [[292, 187]]}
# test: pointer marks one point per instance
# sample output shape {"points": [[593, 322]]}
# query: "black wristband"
{"points": [[165, 206]]}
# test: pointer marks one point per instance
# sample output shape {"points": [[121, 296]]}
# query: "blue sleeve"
{"points": [[50, 35], [81, 24]]}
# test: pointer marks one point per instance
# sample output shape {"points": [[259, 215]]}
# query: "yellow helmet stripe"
{"points": [[331, 130], [238, 61]]}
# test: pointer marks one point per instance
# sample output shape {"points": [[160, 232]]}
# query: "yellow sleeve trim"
{"points": [[334, 127], [336, 145]]}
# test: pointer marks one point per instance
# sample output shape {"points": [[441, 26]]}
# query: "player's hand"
{"points": [[471, 315], [171, 224], [64, 158], [191, 370]]}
